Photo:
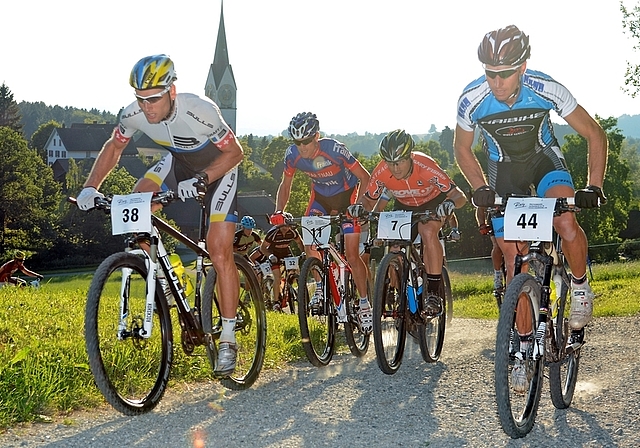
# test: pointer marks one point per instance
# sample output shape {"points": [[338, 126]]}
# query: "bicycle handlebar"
{"points": [[159, 197]]}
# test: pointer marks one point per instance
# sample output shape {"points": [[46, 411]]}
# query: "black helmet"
{"points": [[505, 46], [303, 125], [396, 145]]}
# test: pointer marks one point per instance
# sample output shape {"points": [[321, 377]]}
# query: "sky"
{"points": [[360, 65]]}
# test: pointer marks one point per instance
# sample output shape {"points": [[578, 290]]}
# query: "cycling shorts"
{"points": [[221, 197]]}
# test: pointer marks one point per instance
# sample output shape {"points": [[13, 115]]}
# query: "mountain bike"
{"points": [[340, 302], [398, 291], [543, 317], [289, 291], [128, 327]]}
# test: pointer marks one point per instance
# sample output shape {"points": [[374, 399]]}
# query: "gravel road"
{"points": [[352, 403]]}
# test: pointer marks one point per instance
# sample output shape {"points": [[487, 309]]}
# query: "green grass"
{"points": [[44, 369]]}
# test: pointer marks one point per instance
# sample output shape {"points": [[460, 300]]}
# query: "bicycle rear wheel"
{"points": [[131, 371], [357, 341], [389, 308], [251, 326], [517, 410], [317, 322], [563, 374], [431, 333]]}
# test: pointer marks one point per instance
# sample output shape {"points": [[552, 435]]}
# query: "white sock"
{"points": [[228, 330], [364, 303]]}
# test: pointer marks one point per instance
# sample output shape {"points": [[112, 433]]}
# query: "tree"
{"points": [[446, 141], [9, 111], [41, 136], [29, 196], [602, 225], [631, 24]]}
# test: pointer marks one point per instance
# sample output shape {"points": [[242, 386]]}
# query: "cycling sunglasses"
{"points": [[152, 99], [306, 141], [504, 74]]}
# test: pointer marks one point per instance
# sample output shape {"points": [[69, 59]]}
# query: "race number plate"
{"points": [[319, 226], [529, 219], [394, 225], [291, 263], [131, 213], [265, 268]]}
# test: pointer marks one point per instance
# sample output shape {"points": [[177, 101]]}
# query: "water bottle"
{"points": [[181, 273]]}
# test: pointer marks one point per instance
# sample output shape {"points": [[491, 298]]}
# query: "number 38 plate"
{"points": [[529, 219], [131, 213]]}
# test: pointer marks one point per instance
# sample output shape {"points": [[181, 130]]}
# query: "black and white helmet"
{"points": [[505, 46], [303, 125]]}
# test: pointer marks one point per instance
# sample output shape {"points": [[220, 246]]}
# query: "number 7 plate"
{"points": [[529, 219], [394, 225]]}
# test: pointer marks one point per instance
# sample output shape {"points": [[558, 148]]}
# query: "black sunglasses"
{"points": [[306, 141], [504, 74]]}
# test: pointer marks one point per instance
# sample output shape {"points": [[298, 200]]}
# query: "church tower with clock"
{"points": [[221, 85]]}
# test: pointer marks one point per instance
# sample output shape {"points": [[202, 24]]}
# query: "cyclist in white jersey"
{"points": [[202, 148], [510, 105]]}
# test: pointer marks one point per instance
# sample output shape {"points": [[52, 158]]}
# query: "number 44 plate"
{"points": [[529, 219]]}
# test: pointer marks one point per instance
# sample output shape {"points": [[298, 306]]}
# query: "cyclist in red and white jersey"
{"points": [[202, 148], [418, 184], [336, 175]]}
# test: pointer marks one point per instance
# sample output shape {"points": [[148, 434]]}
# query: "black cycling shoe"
{"points": [[431, 305]]}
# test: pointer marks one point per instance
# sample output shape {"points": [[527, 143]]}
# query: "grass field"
{"points": [[44, 368]]}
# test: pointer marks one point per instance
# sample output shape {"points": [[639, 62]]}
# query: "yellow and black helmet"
{"points": [[396, 145], [152, 72], [19, 255]]}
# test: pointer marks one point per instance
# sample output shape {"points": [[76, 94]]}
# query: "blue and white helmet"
{"points": [[303, 125], [248, 222]]}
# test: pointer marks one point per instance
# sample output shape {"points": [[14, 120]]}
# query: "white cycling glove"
{"points": [[356, 211], [187, 189], [86, 198], [445, 208]]}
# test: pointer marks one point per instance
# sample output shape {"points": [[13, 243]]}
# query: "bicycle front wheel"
{"points": [[251, 325], [448, 296], [317, 320], [518, 376], [292, 296], [563, 374], [431, 333], [357, 340], [130, 370], [389, 308]]}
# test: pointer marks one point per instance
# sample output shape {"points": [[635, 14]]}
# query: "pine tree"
{"points": [[9, 111]]}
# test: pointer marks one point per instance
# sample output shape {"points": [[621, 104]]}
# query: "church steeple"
{"points": [[221, 85]]}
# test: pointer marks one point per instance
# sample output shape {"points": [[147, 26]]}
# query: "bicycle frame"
{"points": [[336, 264], [158, 258]]}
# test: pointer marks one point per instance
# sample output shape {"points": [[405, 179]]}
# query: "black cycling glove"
{"points": [[484, 197], [590, 197]]}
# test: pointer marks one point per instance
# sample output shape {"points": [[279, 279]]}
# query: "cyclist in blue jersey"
{"points": [[202, 149], [511, 104], [336, 177]]}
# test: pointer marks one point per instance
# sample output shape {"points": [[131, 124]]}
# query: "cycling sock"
{"points": [[578, 281], [433, 283], [228, 330], [364, 303]]}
